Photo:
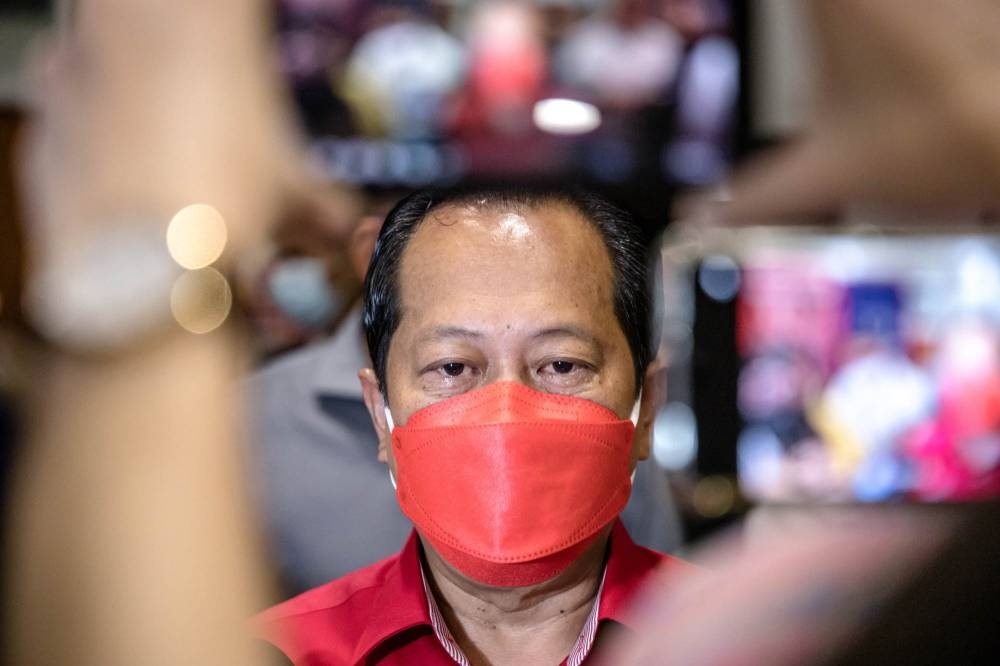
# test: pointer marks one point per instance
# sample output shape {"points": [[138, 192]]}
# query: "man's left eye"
{"points": [[563, 367], [453, 369], [565, 373]]}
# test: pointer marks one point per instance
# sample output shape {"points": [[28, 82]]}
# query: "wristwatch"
{"points": [[107, 294]]}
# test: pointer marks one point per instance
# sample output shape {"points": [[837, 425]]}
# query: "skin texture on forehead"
{"points": [[508, 274], [546, 245]]}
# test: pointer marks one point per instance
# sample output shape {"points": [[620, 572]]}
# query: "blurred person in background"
{"points": [[706, 94], [623, 57], [316, 36], [306, 285], [399, 74], [327, 499], [625, 60], [491, 115]]}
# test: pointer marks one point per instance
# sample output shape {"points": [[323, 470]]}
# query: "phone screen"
{"points": [[849, 369]]}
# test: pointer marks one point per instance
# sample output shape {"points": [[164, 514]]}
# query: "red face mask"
{"points": [[511, 485]]}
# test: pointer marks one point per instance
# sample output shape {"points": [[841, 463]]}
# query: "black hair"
{"points": [[622, 237]]}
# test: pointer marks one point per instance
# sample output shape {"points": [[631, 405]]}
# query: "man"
{"points": [[329, 504], [509, 336], [328, 501]]}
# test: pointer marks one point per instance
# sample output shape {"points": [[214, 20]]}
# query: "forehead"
{"points": [[545, 257]]}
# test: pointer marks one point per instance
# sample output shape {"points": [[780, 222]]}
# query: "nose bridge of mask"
{"points": [[509, 402], [633, 417], [392, 426]]}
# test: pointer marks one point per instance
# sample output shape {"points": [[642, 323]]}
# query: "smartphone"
{"points": [[823, 365]]}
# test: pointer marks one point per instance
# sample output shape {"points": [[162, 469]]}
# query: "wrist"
{"points": [[132, 280]]}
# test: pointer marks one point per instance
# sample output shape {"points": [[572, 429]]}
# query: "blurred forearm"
{"points": [[904, 115], [131, 540], [130, 526]]}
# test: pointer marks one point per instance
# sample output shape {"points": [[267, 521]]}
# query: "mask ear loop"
{"points": [[392, 425], [388, 419], [634, 418]]}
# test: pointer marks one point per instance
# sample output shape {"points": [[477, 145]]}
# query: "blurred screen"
{"points": [[863, 368], [637, 97], [871, 370]]}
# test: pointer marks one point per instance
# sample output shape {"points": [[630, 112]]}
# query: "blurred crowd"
{"points": [[443, 89]]}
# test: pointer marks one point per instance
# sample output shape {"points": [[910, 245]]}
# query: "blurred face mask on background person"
{"points": [[300, 288], [509, 484]]}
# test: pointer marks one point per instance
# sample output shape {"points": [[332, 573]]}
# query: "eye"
{"points": [[563, 367], [448, 376], [453, 369], [565, 370]]}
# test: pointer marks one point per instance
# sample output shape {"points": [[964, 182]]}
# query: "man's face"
{"points": [[493, 296]]}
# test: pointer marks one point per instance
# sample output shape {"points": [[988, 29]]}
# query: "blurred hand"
{"points": [[144, 107], [906, 113], [781, 599]]}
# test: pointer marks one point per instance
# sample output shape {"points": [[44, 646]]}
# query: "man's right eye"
{"points": [[453, 369]]}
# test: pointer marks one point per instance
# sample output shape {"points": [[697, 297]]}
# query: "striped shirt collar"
{"points": [[580, 650], [404, 601]]}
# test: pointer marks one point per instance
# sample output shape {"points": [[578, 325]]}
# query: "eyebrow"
{"points": [[444, 332], [567, 331]]}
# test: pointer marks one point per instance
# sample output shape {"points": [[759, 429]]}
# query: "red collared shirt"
{"points": [[381, 614]]}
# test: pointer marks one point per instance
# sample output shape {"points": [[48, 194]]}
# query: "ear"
{"points": [[375, 402], [647, 411]]}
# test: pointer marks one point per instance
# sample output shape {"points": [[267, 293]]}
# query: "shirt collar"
{"points": [[627, 568], [582, 647], [403, 602], [400, 603]]}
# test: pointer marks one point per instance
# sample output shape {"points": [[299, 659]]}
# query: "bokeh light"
{"points": [[196, 236], [719, 278], [201, 300], [714, 496], [675, 436], [566, 116]]}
